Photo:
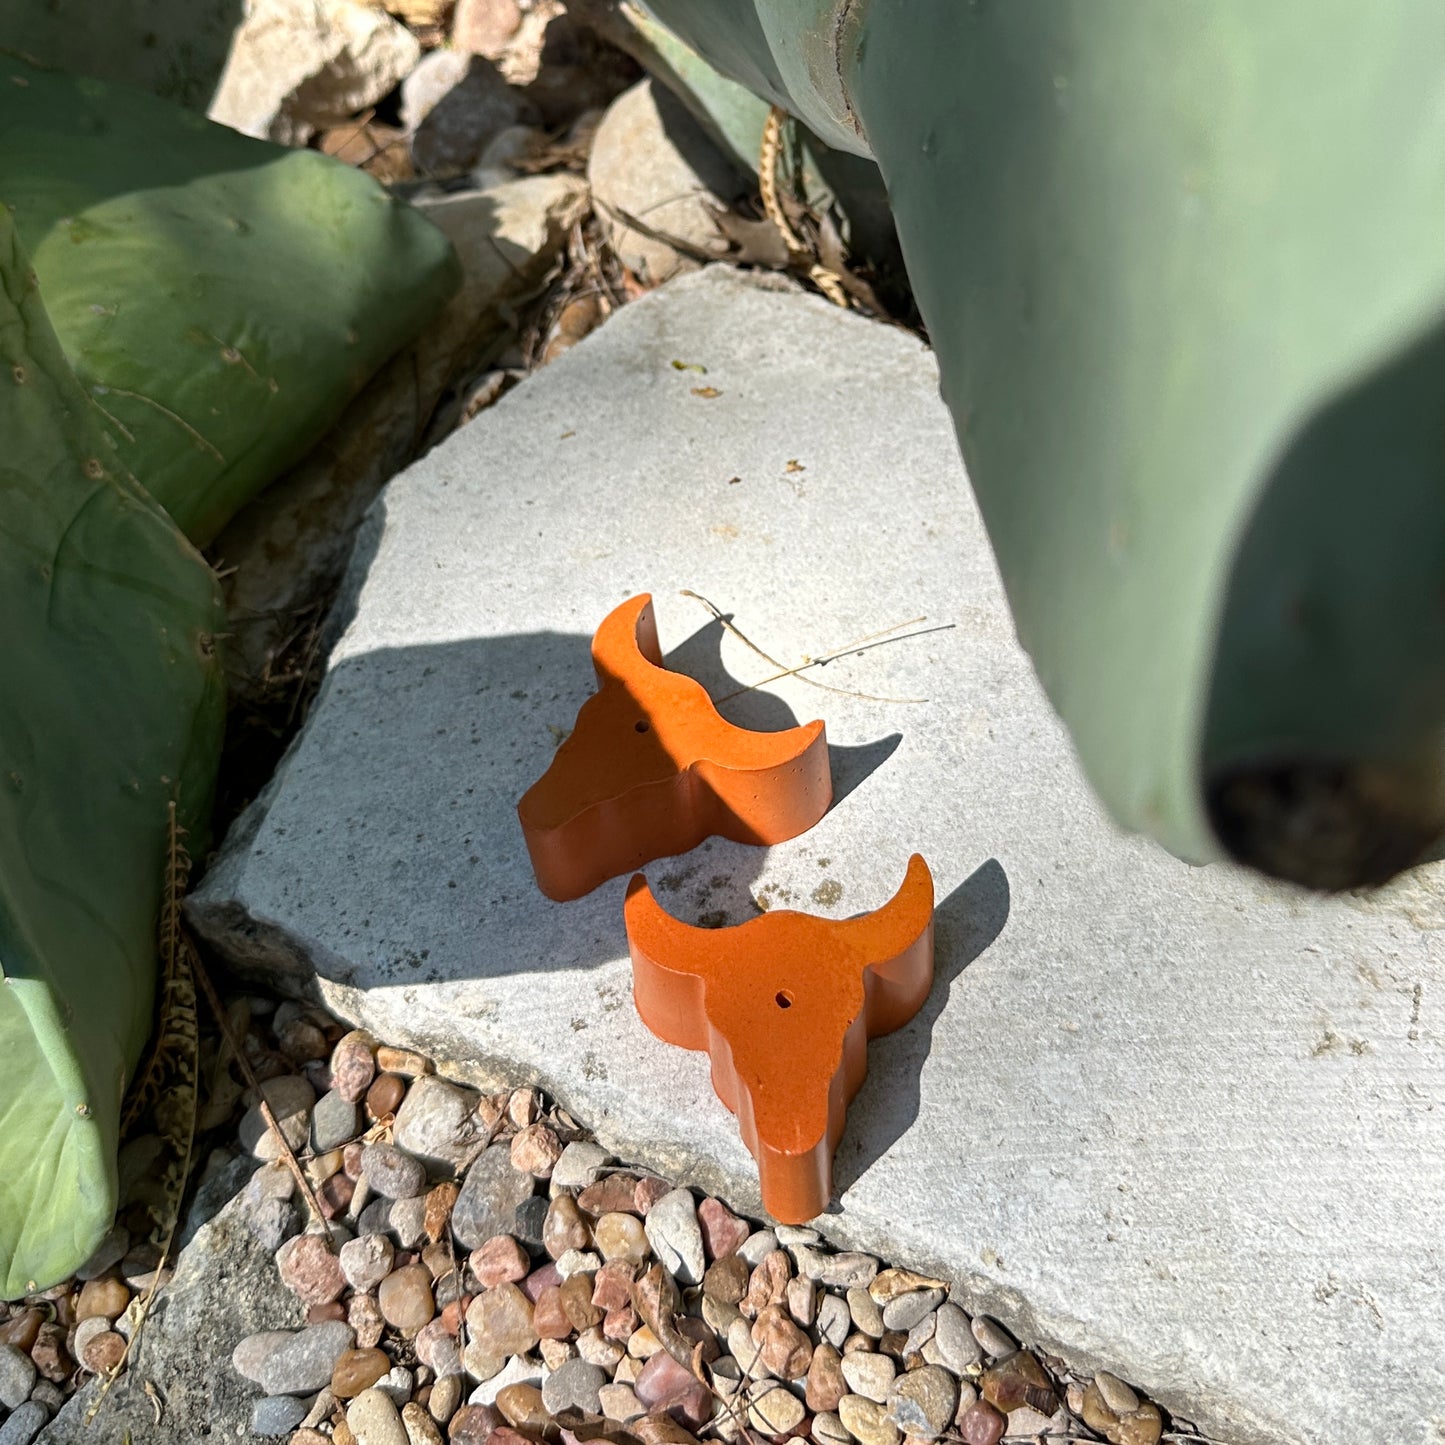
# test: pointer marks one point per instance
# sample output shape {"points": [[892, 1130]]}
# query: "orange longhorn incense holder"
{"points": [[651, 769], [784, 1005]]}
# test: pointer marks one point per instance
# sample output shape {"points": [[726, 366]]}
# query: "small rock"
{"points": [[524, 1106], [436, 1348], [867, 1421], [1142, 1427], [501, 1321], [1018, 1380], [21, 1329], [723, 1232], [384, 1096], [549, 1319], [578, 1165], [891, 1283], [489, 1200], [574, 1385], [391, 1173], [406, 1298], [758, 1246], [904, 1311], [652, 163], [870, 1375], [406, 1062], [556, 1353], [296, 66], [358, 1370], [420, 1428], [440, 1200], [407, 1221], [620, 1403], [85, 1331], [531, 1218], [375, 1420], [17, 1376], [49, 1355], [353, 1065], [595, 1347], [545, 1277], [955, 1339], [248, 1358], [785, 1349], [828, 1429], [398, 1384], [103, 1351], [483, 27], [363, 1314], [612, 1194], [996, 1340], [519, 1370], [867, 1316], [775, 1410], [768, 1284], [642, 1344], [826, 1384], [845, 1271], [578, 1261], [108, 1253], [309, 1270], [726, 1279], [648, 1192], [366, 1261], [304, 1363], [105, 1298], [24, 1424], [454, 103], [744, 1351], [473, 1425], [922, 1402], [446, 1396], [621, 1236], [334, 1121], [834, 1321], [665, 1385], [981, 1424], [499, 1260], [290, 1098], [802, 1301], [536, 1150], [612, 1285], [576, 1294], [277, 1415], [564, 1227], [1118, 1396]]}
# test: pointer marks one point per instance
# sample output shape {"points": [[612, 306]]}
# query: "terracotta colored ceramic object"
{"points": [[651, 769], [785, 1005]]}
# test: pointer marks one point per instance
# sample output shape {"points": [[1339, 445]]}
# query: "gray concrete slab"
{"points": [[1171, 1121]]}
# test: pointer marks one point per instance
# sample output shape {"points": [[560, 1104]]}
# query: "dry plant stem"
{"points": [[302, 1183], [803, 666], [180, 968], [828, 282]]}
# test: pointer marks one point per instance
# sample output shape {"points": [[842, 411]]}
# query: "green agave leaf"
{"points": [[111, 705], [220, 297]]}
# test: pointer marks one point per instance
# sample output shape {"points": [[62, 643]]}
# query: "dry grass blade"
{"points": [[174, 1062], [802, 667]]}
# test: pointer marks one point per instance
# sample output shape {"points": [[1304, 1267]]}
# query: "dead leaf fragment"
{"points": [[690, 366], [706, 391], [794, 465]]}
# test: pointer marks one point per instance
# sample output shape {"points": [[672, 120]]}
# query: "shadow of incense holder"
{"points": [[652, 769], [784, 1005]]}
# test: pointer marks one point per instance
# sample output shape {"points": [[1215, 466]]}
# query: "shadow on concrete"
{"points": [[965, 924], [418, 872]]}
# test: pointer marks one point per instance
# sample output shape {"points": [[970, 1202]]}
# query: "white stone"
{"points": [[676, 1237], [1142, 1096], [654, 196], [834, 1322], [297, 66], [519, 1370]]}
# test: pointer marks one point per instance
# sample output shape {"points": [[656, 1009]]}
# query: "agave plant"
{"points": [[1182, 267]]}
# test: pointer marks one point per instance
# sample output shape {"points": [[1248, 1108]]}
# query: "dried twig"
{"points": [[784, 671], [287, 1155], [828, 282]]}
